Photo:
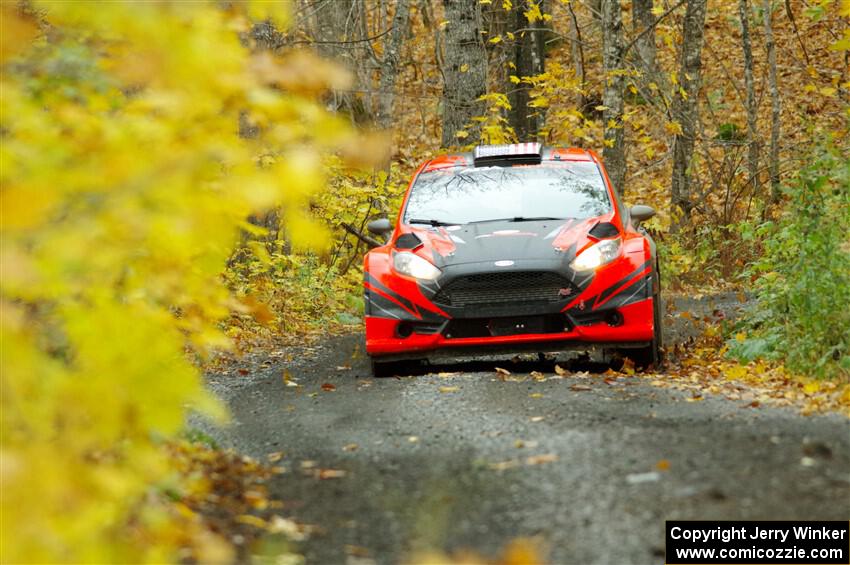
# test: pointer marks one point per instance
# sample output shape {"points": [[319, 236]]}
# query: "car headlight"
{"points": [[597, 255], [415, 266]]}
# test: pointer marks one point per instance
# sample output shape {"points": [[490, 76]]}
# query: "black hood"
{"points": [[501, 241]]}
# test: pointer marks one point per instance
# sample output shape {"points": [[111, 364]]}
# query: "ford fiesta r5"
{"points": [[512, 248]]}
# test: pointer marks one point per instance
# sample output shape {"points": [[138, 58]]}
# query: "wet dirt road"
{"points": [[588, 466]]}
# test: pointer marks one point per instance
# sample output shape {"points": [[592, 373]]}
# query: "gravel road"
{"points": [[588, 466]]}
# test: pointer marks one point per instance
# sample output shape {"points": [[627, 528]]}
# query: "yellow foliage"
{"points": [[533, 13], [125, 188]]}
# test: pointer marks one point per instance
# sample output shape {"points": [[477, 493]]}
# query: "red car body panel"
{"points": [[613, 305]]}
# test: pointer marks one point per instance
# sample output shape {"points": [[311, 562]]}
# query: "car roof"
{"points": [[511, 152]]}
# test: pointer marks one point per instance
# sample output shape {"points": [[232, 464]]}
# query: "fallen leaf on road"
{"points": [[541, 459], [343, 368], [560, 371], [522, 551], [502, 371], [293, 531], [251, 520], [287, 379], [243, 371], [537, 418], [356, 551], [256, 499], [538, 376], [503, 465], [350, 447], [535, 395], [447, 375], [276, 456], [663, 465], [413, 439], [579, 388], [330, 474], [328, 387], [638, 478], [449, 389], [817, 449]]}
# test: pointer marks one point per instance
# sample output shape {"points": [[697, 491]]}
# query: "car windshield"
{"points": [[481, 194]]}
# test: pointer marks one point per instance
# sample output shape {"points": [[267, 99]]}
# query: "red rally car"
{"points": [[512, 248]]}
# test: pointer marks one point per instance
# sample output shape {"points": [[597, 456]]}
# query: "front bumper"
{"points": [[390, 338]]}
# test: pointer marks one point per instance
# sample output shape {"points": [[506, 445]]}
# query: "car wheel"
{"points": [[384, 369], [652, 355]]}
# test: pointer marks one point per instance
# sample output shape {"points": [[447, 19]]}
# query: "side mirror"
{"points": [[381, 226], [640, 213]]}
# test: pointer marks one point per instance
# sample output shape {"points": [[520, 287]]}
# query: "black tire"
{"points": [[652, 355], [385, 369]]}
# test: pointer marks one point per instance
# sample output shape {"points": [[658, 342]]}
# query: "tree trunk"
{"points": [[577, 51], [642, 19], [464, 68], [528, 57], [774, 100], [338, 28], [752, 112], [389, 63], [614, 151], [685, 108]]}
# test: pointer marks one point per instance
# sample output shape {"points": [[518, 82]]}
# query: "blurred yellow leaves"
{"points": [[125, 187], [16, 31]]}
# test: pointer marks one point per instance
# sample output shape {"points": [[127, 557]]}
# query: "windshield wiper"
{"points": [[520, 219], [434, 223]]}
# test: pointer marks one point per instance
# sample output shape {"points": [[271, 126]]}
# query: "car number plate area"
{"points": [[516, 326]]}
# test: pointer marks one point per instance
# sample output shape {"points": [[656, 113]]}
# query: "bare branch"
{"points": [[362, 237]]}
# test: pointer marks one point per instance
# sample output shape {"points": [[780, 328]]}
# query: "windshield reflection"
{"points": [[480, 194]]}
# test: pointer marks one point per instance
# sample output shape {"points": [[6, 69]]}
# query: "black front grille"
{"points": [[510, 287]]}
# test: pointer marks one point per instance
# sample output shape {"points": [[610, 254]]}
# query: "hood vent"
{"points": [[408, 241], [604, 230]]}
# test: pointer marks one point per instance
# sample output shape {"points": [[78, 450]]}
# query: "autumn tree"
{"points": [[390, 63], [463, 66], [685, 106], [614, 151], [643, 28], [775, 104], [338, 29], [529, 59], [749, 83]]}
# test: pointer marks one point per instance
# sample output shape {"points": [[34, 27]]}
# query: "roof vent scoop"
{"points": [[604, 230], [508, 155]]}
